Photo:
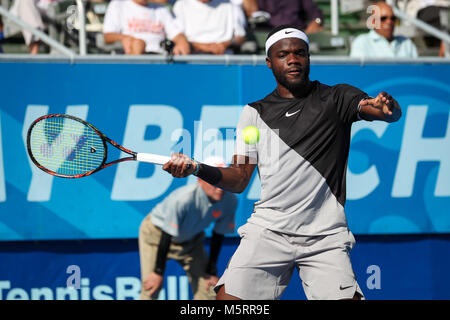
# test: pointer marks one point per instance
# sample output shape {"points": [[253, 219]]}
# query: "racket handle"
{"points": [[152, 158]]}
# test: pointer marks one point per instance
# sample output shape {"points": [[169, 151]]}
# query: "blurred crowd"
{"points": [[181, 27]]}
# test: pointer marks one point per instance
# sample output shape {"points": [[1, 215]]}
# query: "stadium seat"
{"points": [[324, 43], [352, 16], [259, 37], [66, 29]]}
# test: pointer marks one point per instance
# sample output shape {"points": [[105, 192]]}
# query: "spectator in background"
{"points": [[142, 26], [434, 13], [211, 26], [304, 14], [174, 230], [33, 12], [1, 35], [380, 42]]}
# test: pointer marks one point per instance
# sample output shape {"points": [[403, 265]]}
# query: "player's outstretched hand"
{"points": [[180, 165], [387, 104]]}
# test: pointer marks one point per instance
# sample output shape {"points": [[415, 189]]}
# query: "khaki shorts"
{"points": [[262, 266], [191, 255]]}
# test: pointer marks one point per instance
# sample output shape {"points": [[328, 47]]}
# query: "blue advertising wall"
{"points": [[398, 174]]}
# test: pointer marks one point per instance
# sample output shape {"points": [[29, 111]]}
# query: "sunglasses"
{"points": [[384, 18]]}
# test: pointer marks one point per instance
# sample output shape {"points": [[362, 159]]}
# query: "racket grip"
{"points": [[152, 158]]}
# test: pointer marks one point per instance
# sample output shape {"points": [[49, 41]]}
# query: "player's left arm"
{"points": [[383, 107]]}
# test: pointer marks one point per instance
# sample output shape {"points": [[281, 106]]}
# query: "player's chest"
{"points": [[298, 115], [301, 121]]}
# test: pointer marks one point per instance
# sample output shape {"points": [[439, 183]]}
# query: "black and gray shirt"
{"points": [[302, 158]]}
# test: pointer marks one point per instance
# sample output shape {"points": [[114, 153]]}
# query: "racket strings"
{"points": [[66, 146], [64, 150]]}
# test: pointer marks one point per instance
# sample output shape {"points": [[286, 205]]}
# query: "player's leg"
{"points": [[325, 268], [261, 267], [148, 240], [222, 295]]}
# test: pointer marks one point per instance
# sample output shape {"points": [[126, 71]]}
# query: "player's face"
{"points": [[289, 61], [214, 193]]}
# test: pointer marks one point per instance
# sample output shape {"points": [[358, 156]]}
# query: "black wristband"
{"points": [[212, 175]]}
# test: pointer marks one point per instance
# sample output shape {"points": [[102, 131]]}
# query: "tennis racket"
{"points": [[65, 146]]}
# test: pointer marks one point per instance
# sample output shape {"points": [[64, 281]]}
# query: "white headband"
{"points": [[283, 34]]}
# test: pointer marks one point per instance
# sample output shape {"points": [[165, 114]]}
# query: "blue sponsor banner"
{"points": [[386, 267], [398, 174]]}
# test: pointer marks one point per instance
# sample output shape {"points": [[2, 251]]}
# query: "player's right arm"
{"points": [[234, 178]]}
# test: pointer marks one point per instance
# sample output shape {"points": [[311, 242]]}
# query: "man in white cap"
{"points": [[299, 222], [174, 229]]}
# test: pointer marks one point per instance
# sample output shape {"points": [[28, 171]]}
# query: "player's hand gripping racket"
{"points": [[69, 147]]}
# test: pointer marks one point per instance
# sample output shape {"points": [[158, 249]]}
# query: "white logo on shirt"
{"points": [[291, 114]]}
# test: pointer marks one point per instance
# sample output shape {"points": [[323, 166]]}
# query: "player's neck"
{"points": [[298, 92]]}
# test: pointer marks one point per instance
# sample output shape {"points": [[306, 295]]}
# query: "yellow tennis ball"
{"points": [[250, 135]]}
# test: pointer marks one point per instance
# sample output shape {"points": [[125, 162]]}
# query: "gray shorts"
{"points": [[262, 266]]}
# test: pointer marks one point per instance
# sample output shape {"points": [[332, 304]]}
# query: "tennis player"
{"points": [[299, 222]]}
